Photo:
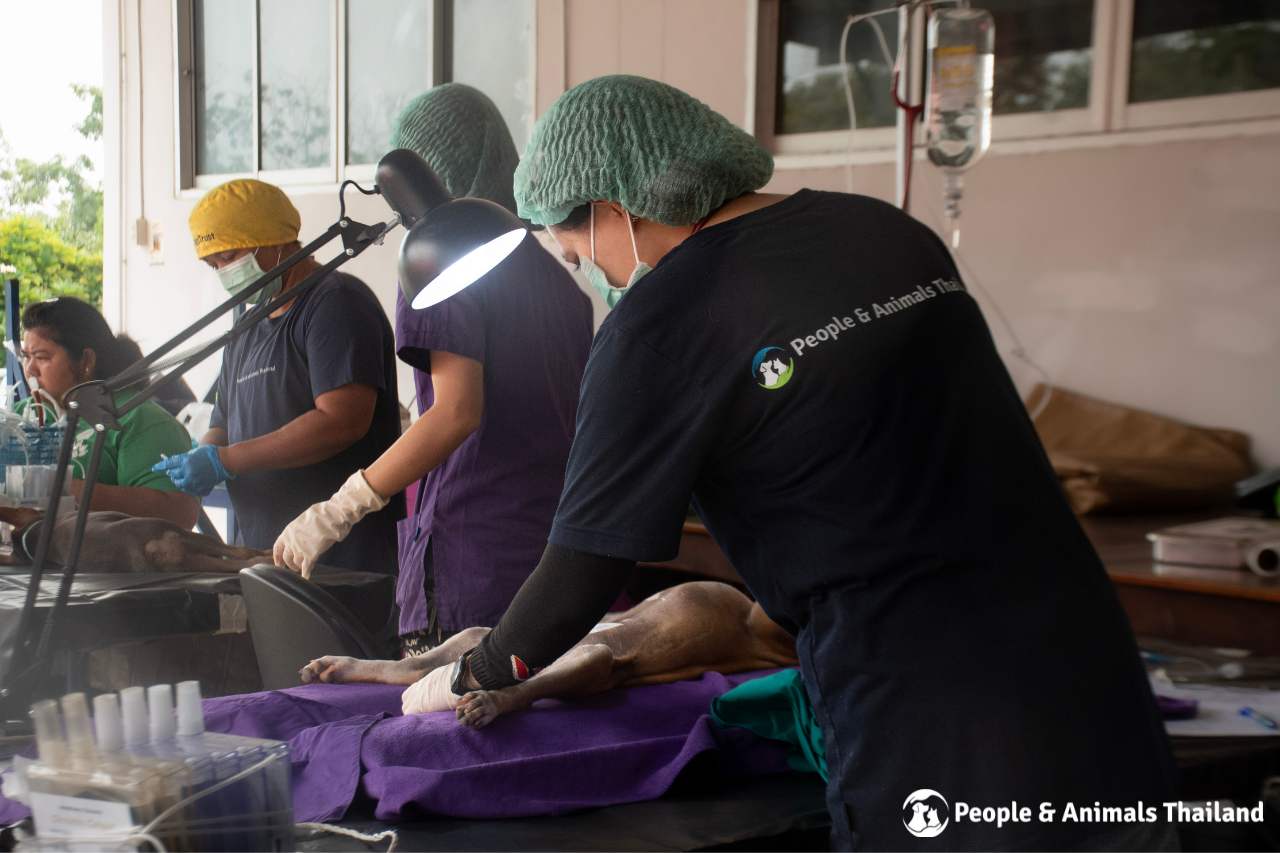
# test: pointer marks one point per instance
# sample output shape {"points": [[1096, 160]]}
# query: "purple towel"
{"points": [[623, 746], [619, 747]]}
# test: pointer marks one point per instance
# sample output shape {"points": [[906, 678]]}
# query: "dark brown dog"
{"points": [[676, 634], [118, 543]]}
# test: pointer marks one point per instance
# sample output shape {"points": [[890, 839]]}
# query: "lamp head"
{"points": [[452, 246], [450, 242], [409, 185]]}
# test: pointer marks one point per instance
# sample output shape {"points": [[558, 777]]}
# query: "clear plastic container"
{"points": [[151, 770]]}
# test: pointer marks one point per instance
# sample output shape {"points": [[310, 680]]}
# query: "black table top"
{"points": [[116, 608], [692, 816]]}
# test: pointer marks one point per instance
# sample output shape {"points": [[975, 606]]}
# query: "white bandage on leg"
{"points": [[432, 692]]}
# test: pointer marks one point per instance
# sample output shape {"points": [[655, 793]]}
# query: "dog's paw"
{"points": [[478, 709]]}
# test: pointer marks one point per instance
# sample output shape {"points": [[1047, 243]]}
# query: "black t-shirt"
{"points": [[336, 334], [817, 378]]}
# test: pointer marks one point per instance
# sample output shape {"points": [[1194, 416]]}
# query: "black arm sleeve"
{"points": [[560, 602]]}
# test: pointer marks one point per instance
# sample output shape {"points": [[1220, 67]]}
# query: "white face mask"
{"points": [[595, 275], [244, 271]]}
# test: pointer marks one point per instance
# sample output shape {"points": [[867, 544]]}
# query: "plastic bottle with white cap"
{"points": [[51, 771], [133, 712], [190, 709], [81, 748], [108, 726], [51, 744], [51, 752], [162, 724]]}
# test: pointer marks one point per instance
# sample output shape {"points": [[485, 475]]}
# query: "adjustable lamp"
{"points": [[450, 244]]}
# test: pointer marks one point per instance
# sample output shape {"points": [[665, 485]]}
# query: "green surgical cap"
{"points": [[463, 138], [651, 148]]}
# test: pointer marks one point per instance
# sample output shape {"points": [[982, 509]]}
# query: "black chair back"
{"points": [[293, 621]]}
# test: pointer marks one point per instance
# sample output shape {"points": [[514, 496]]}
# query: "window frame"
{"points": [[186, 176], [1177, 112], [1108, 112]]}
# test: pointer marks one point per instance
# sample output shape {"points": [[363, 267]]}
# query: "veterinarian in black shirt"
{"points": [[306, 396], [811, 370]]}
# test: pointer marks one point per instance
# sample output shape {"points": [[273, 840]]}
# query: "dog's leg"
{"points": [[334, 669], [20, 516], [198, 543], [170, 548], [250, 556], [579, 672], [171, 551], [205, 563]]}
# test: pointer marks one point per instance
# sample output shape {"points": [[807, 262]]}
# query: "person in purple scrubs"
{"points": [[496, 369]]}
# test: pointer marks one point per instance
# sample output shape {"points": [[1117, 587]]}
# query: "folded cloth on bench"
{"points": [[623, 746], [777, 707]]}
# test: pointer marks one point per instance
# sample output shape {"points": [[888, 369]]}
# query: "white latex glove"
{"points": [[432, 692], [325, 524]]}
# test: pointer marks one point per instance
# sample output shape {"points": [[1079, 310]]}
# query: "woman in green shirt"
{"points": [[66, 342]]}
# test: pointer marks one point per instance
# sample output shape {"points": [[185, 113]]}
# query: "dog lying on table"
{"points": [[117, 543], [675, 634]]}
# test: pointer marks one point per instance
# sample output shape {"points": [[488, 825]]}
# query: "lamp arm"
{"points": [[357, 238], [138, 370]]}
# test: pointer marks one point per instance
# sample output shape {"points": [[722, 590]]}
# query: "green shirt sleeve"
{"points": [[148, 434]]}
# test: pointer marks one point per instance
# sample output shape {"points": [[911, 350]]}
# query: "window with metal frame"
{"points": [[307, 91]]}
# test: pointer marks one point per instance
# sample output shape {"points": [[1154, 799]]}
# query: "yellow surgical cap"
{"points": [[242, 214]]}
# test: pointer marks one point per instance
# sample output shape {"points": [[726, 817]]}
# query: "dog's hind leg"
{"points": [[581, 671], [198, 543], [171, 551], [205, 563], [236, 552], [20, 516]]}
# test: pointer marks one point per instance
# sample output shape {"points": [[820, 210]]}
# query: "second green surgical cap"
{"points": [[658, 152], [463, 138]]}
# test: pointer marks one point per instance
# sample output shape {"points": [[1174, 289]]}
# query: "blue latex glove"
{"points": [[195, 472]]}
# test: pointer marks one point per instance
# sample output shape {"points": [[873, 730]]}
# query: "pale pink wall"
{"points": [[1143, 274], [698, 45]]}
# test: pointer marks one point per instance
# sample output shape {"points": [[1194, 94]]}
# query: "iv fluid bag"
{"points": [[961, 67]]}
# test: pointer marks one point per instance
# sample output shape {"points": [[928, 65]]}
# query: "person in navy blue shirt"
{"points": [[305, 396]]}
